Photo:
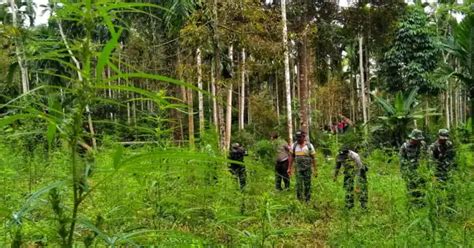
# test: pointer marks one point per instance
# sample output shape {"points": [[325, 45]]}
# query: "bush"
{"points": [[264, 151]]}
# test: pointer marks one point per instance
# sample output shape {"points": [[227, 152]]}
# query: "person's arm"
{"points": [[313, 156], [290, 165], [290, 161], [451, 156], [403, 154], [356, 158]]}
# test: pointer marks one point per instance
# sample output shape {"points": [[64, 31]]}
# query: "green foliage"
{"points": [[412, 56], [398, 117], [461, 47], [244, 137], [176, 198], [264, 151], [264, 118]]}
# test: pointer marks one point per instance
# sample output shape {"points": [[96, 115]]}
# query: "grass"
{"points": [[179, 202]]}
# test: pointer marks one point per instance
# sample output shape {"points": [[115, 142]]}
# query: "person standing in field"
{"points": [[237, 153], [355, 172], [443, 155], [410, 153], [281, 162], [303, 155]]}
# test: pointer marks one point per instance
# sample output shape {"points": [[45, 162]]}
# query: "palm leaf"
{"points": [[410, 100]]}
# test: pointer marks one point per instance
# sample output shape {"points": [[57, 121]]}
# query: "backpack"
{"points": [[237, 154], [310, 148]]}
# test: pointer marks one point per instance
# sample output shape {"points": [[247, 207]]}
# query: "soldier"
{"points": [[281, 162], [237, 153], [302, 153], [410, 153], [443, 153], [353, 167]]}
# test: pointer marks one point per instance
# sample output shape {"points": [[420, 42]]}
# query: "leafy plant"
{"points": [[412, 56], [399, 116]]}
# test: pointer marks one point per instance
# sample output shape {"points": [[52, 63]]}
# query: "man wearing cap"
{"points": [[443, 153], [410, 153], [302, 153], [353, 169], [237, 153]]}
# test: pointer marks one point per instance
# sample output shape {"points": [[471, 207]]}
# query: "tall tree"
{"points": [[286, 64], [413, 54], [461, 47], [242, 89], [19, 49], [200, 96], [228, 122]]}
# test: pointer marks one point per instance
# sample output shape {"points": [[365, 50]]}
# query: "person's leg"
{"points": [[299, 185], [278, 176], [242, 177], [307, 185], [364, 192], [285, 175], [349, 188]]}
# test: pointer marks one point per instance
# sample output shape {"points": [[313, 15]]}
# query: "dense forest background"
{"points": [[116, 118]]}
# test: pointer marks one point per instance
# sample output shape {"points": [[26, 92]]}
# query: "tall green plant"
{"points": [[85, 59], [412, 56], [400, 115]]}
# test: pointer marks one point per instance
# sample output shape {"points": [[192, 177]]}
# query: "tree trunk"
{"points": [[242, 91], [451, 113], [228, 128], [446, 102], [303, 83], [277, 94], [190, 118], [367, 80], [218, 67], [471, 99], [362, 84], [18, 50], [213, 93], [286, 63], [200, 96]]}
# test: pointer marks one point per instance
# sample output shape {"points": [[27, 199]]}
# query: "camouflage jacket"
{"points": [[410, 153], [350, 162], [443, 154]]}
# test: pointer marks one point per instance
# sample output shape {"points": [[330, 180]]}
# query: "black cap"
{"points": [[300, 133]]}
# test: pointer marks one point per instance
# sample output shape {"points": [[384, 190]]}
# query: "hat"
{"points": [[344, 149], [300, 133], [235, 145], [416, 134], [443, 133]]}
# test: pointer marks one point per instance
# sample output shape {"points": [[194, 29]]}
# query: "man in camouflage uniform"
{"points": [[237, 153], [410, 153], [353, 169], [302, 153], [443, 153]]}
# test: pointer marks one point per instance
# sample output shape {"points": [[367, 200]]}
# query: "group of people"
{"points": [[339, 127], [300, 157], [442, 154]]}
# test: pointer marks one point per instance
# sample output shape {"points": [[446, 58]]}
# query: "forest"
{"points": [[165, 123]]}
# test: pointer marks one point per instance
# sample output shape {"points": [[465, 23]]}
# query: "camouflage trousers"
{"points": [[361, 188], [303, 178], [415, 184], [240, 174], [303, 184]]}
